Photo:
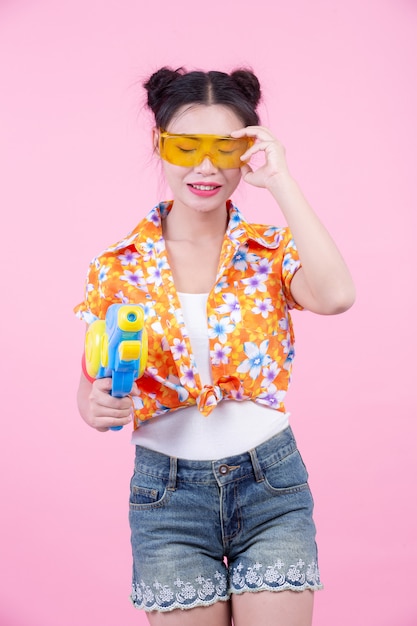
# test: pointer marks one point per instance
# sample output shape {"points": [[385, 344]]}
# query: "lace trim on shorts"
{"points": [[186, 595], [204, 591], [298, 577]]}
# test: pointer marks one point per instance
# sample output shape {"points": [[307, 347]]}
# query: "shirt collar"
{"points": [[241, 231], [149, 231]]}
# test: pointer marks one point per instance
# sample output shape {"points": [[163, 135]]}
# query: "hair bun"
{"points": [[248, 84], [157, 84], [168, 90]]}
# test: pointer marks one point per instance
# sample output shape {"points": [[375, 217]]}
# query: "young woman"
{"points": [[220, 508]]}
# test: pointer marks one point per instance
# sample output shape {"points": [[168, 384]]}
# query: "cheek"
{"points": [[173, 173], [233, 177]]}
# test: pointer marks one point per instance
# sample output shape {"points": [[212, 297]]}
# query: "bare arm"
{"points": [[323, 284]]}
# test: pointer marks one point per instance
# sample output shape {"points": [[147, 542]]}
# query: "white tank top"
{"points": [[231, 428]]}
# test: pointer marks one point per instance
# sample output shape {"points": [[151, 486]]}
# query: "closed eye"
{"points": [[227, 146], [186, 144]]}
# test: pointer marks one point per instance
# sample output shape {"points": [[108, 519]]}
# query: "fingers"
{"points": [[246, 169], [106, 410], [273, 162], [259, 132], [265, 141], [259, 146]]}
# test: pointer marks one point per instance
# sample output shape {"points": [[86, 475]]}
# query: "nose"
{"points": [[206, 166]]}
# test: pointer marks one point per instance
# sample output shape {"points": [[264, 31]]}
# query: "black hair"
{"points": [[169, 89]]}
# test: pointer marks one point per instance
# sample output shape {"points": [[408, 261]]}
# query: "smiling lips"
{"points": [[206, 190]]}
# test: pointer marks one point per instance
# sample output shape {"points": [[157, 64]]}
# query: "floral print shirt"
{"points": [[249, 326]]}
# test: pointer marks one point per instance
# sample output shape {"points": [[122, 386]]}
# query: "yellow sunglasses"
{"points": [[191, 150]]}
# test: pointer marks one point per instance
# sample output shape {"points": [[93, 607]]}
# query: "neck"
{"points": [[183, 223]]}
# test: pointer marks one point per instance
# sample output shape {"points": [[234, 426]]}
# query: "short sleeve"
{"points": [[95, 302], [290, 265]]}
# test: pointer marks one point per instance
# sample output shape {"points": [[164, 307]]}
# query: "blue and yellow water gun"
{"points": [[117, 348]]}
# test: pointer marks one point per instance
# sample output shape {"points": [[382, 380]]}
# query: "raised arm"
{"points": [[323, 284]]}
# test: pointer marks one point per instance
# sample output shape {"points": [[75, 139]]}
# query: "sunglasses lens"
{"points": [[229, 151], [180, 150], [191, 150]]}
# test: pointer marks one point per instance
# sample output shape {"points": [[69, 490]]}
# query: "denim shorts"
{"points": [[202, 530]]}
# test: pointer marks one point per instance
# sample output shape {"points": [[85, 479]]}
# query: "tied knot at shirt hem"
{"points": [[211, 395]]}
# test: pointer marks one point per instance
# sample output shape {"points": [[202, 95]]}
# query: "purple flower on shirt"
{"points": [[263, 268], [121, 296], [187, 377], [155, 272], [231, 307], [270, 373], [133, 278], [272, 397], [129, 258], [178, 349], [153, 217], [283, 323], [263, 307], [219, 354], [255, 283]]}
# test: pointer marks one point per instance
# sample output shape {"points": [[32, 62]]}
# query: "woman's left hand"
{"points": [[275, 165]]}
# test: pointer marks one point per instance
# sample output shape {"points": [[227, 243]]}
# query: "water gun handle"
{"points": [[117, 347]]}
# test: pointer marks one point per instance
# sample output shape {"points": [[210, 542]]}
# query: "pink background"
{"points": [[76, 174]]}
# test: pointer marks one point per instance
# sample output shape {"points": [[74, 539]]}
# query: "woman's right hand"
{"points": [[100, 409]]}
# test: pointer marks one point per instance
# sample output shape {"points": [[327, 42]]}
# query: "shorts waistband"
{"points": [[222, 471]]}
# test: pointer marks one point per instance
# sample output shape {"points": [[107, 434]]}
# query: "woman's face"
{"points": [[203, 187]]}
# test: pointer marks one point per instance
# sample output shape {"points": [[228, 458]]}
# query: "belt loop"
{"points": [[259, 475], [172, 480]]}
